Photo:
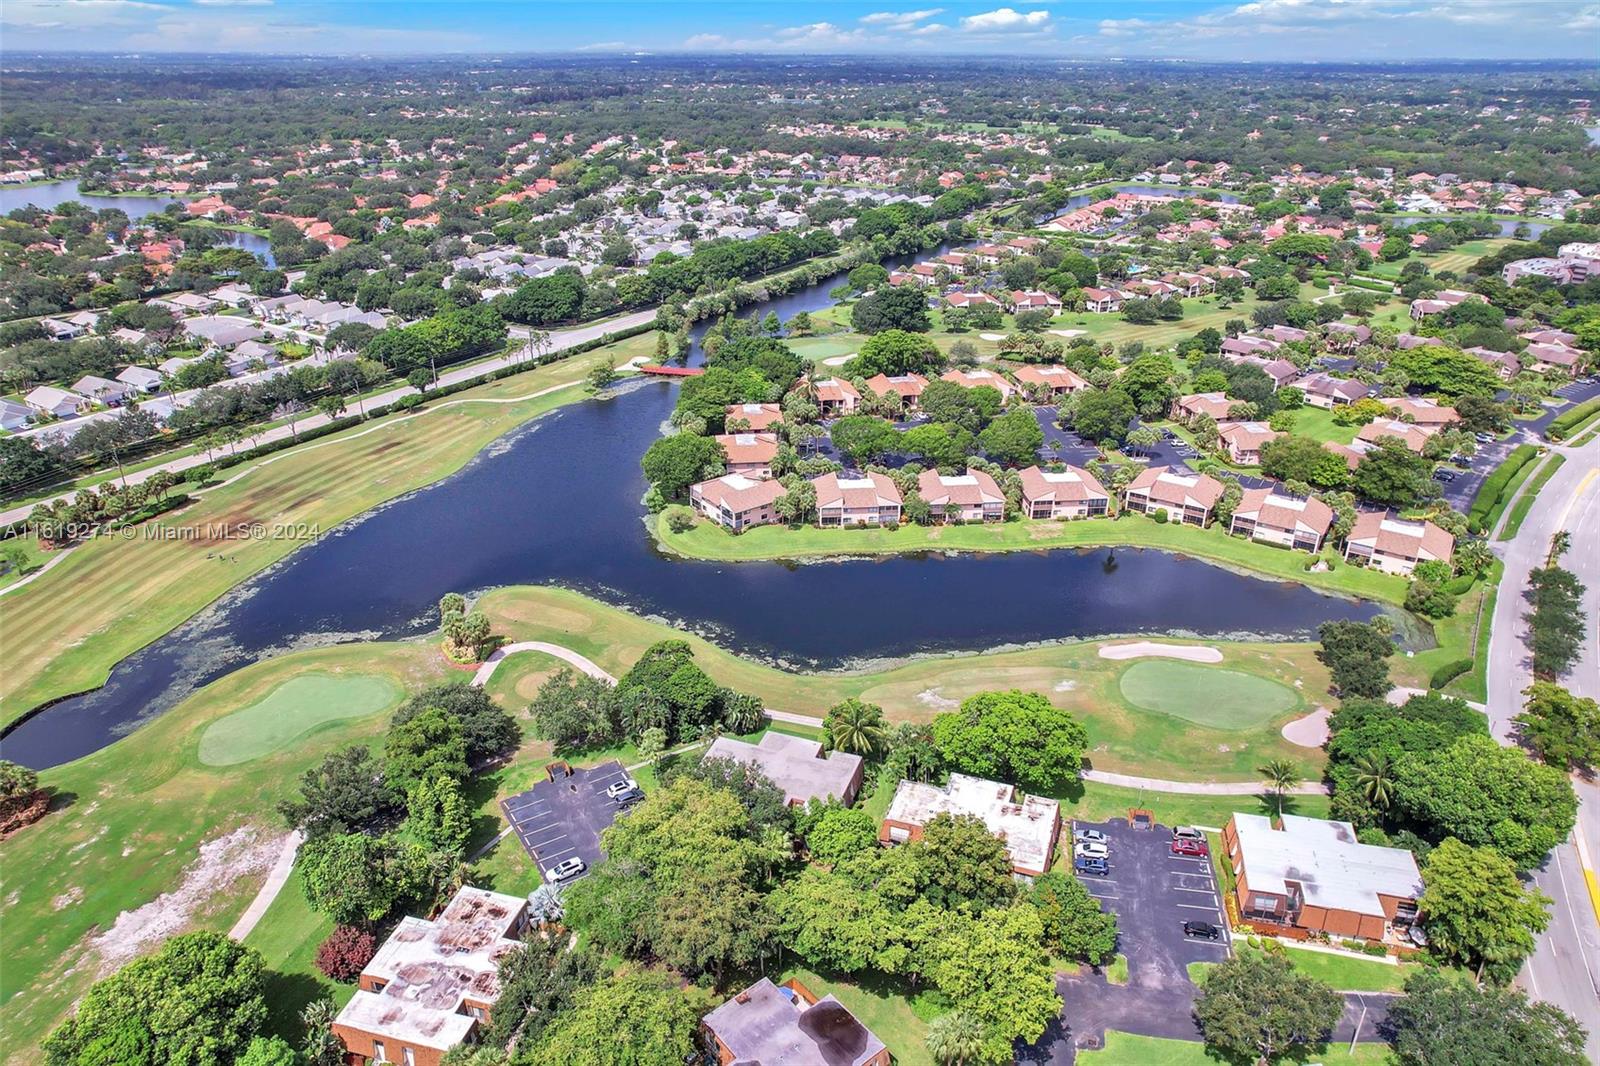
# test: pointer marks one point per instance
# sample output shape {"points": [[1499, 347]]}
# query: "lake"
{"points": [[1507, 226], [558, 502]]}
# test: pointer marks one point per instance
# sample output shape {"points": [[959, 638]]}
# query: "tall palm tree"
{"points": [[1375, 779], [857, 728], [955, 1039], [1281, 776]]}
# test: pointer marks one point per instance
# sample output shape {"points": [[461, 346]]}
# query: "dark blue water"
{"points": [[557, 502]]}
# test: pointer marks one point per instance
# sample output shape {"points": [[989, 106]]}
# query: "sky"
{"points": [[1259, 30]]}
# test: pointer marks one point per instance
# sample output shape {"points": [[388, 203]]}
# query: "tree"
{"points": [[1375, 779], [1476, 911], [485, 728], [1488, 796], [900, 307], [346, 793], [1563, 728], [643, 1018], [958, 863], [1391, 473], [856, 727], [1557, 624], [437, 816], [1012, 736], [199, 999], [1013, 438], [268, 1051], [840, 832], [358, 880], [1292, 458], [346, 952], [941, 444], [320, 1046], [1282, 777], [1257, 1006], [538, 980], [1148, 383], [956, 1039], [1440, 1022], [423, 747], [994, 969], [674, 463], [1357, 655], [895, 352], [573, 710], [1103, 415], [863, 437], [1074, 925], [547, 300]]}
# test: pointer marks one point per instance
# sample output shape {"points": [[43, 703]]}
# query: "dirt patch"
{"points": [[67, 898], [245, 852], [929, 697]]}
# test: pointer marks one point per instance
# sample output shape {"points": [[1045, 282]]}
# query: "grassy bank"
{"points": [[709, 541], [145, 587], [1524, 504]]}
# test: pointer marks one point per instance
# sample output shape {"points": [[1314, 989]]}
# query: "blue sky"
{"points": [[1336, 30]]}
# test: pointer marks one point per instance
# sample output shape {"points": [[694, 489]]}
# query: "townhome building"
{"points": [[1184, 497], [970, 497], [1190, 407], [1069, 493], [1396, 545], [755, 416], [1058, 380], [737, 502], [1270, 517], [906, 386], [1027, 824], [835, 397], [1243, 440], [872, 499], [972, 379], [750, 454]]}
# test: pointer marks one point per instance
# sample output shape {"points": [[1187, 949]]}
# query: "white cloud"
{"points": [[233, 3], [1005, 20], [900, 20], [930, 29], [1123, 27]]}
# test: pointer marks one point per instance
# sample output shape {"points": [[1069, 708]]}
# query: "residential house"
{"points": [[102, 390], [133, 338], [58, 403], [750, 454], [222, 332], [972, 379], [836, 396], [1407, 341], [14, 416], [1506, 364], [970, 299], [1396, 545], [1326, 391], [61, 329], [1243, 440], [787, 1025], [1034, 300], [756, 416], [1069, 493], [1102, 301], [1184, 497], [1424, 412], [1058, 380], [906, 386], [1188, 408], [969, 497], [1288, 521], [1028, 825], [433, 983], [869, 500], [1345, 335], [1548, 357], [736, 502], [1414, 436], [1313, 874], [796, 765], [1285, 334]]}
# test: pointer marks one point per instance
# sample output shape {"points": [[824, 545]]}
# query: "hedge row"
{"points": [[1490, 499], [1448, 673], [1563, 424]]}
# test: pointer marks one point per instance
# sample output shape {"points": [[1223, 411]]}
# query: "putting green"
{"points": [[295, 707], [1205, 695]]}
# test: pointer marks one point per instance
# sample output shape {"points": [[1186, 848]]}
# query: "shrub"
{"points": [[1375, 949], [345, 953], [1561, 425], [1461, 585], [1490, 494], [680, 519], [1160, 517], [1449, 672]]}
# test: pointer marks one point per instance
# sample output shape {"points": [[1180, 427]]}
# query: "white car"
{"points": [[627, 784], [1090, 849], [565, 870], [1093, 835]]}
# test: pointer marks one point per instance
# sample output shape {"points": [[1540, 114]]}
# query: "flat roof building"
{"points": [[796, 765], [1028, 825], [787, 1025]]}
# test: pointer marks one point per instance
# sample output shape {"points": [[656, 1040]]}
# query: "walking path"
{"points": [[558, 342], [55, 560], [277, 877], [567, 655]]}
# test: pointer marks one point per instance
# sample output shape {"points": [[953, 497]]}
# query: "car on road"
{"points": [[1097, 867], [1187, 832], [1089, 849], [620, 788], [1202, 931], [565, 870], [1185, 846], [1094, 835]]}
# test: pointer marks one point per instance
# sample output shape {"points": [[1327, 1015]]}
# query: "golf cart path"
{"points": [[277, 877], [567, 655]]}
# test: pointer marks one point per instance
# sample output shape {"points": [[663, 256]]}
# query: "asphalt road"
{"points": [[1565, 968], [560, 340]]}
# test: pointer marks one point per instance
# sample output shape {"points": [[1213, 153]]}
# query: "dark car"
{"points": [[628, 796], [1202, 930], [1097, 867]]}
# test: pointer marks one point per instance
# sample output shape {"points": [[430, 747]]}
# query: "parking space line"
{"points": [[552, 855], [1196, 907], [1206, 891]]}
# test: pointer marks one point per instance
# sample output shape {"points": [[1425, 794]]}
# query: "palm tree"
{"points": [[1375, 779], [955, 1039], [1281, 776], [857, 728]]}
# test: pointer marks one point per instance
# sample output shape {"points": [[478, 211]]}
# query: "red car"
{"points": [[1196, 848]]}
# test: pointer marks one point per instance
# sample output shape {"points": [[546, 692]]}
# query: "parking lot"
{"points": [[563, 818]]}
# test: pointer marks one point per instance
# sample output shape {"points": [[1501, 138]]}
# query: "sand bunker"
{"points": [[993, 336], [1143, 648], [839, 360], [1308, 732]]}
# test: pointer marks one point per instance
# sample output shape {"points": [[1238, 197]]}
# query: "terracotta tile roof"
{"points": [[1165, 485], [1215, 404], [759, 415], [1055, 377], [739, 493], [1397, 536], [743, 448], [1072, 485], [972, 379], [970, 489], [867, 491], [903, 385], [1285, 512]]}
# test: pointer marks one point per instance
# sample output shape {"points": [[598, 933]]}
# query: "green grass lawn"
{"points": [[1206, 695], [707, 540], [33, 557], [1524, 503], [1117, 970], [1349, 974], [1318, 424], [296, 707], [816, 349], [1125, 1049]]}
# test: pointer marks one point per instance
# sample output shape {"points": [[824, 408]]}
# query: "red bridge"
{"points": [[672, 371]]}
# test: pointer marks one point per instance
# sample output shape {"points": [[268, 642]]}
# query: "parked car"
{"points": [[1097, 867], [1202, 931], [1094, 835], [565, 870], [629, 796], [1187, 832], [627, 784], [1089, 849], [1185, 846]]}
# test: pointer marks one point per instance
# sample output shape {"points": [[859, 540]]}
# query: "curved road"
{"points": [[1565, 968]]}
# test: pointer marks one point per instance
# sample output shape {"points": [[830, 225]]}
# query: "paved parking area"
{"points": [[563, 818]]}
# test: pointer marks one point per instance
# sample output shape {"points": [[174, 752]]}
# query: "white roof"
{"points": [[1178, 479], [857, 483], [1331, 868], [1402, 527], [957, 479], [1060, 476], [1027, 827], [737, 481]]}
